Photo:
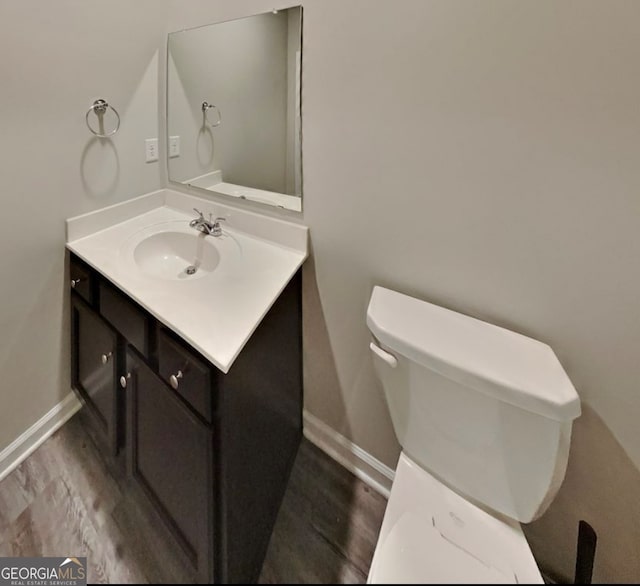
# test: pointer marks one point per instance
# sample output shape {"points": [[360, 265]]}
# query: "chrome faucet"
{"points": [[210, 227]]}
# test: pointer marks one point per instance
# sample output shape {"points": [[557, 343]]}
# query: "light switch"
{"points": [[174, 146], [151, 149]]}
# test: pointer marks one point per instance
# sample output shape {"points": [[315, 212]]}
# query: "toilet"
{"points": [[484, 418]]}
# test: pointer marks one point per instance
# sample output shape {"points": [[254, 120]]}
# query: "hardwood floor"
{"points": [[66, 499]]}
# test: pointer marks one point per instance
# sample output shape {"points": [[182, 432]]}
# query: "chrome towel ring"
{"points": [[206, 106], [100, 107]]}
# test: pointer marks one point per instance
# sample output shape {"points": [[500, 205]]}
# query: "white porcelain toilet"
{"points": [[484, 418]]}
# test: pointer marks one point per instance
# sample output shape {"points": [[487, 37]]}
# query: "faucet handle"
{"points": [[198, 212], [217, 229]]}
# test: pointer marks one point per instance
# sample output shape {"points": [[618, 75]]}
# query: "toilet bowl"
{"points": [[484, 418], [431, 535]]}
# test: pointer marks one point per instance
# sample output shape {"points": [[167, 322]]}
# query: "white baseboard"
{"points": [[345, 452], [29, 441]]}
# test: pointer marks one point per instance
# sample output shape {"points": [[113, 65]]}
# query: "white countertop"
{"points": [[216, 313]]}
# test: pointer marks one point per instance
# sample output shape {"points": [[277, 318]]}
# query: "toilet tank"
{"points": [[484, 409]]}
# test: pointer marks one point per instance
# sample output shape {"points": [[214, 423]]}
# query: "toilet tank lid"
{"points": [[508, 366]]}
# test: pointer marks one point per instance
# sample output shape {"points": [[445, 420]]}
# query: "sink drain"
{"points": [[191, 270]]}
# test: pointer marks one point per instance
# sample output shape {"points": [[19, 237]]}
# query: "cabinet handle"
{"points": [[74, 282], [106, 357], [124, 379], [174, 379]]}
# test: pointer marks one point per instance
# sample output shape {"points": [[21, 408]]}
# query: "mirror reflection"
{"points": [[233, 108]]}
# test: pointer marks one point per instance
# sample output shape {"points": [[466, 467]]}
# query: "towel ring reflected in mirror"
{"points": [[206, 106]]}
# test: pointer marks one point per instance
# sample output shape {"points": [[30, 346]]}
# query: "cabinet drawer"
{"points": [[125, 316], [81, 279], [186, 373]]}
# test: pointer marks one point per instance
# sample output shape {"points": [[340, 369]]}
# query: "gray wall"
{"points": [[57, 58]]}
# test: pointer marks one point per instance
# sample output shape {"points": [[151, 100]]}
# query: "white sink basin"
{"points": [[173, 255], [173, 251]]}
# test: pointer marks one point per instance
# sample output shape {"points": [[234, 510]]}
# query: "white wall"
{"points": [[241, 67], [57, 58]]}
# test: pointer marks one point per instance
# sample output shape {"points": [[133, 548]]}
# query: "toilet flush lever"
{"points": [[390, 359]]}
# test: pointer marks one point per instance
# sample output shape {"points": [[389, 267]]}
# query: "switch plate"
{"points": [[174, 146], [151, 149]]}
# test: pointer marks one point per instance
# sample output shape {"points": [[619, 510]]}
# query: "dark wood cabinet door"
{"points": [[94, 368], [170, 456]]}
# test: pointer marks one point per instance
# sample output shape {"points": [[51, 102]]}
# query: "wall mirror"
{"points": [[233, 108]]}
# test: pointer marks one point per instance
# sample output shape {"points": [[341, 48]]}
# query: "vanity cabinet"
{"points": [[212, 451]]}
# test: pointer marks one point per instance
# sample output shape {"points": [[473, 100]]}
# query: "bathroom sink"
{"points": [[175, 255], [238, 275]]}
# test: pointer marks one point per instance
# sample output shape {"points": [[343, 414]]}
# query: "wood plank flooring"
{"points": [[67, 499]]}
